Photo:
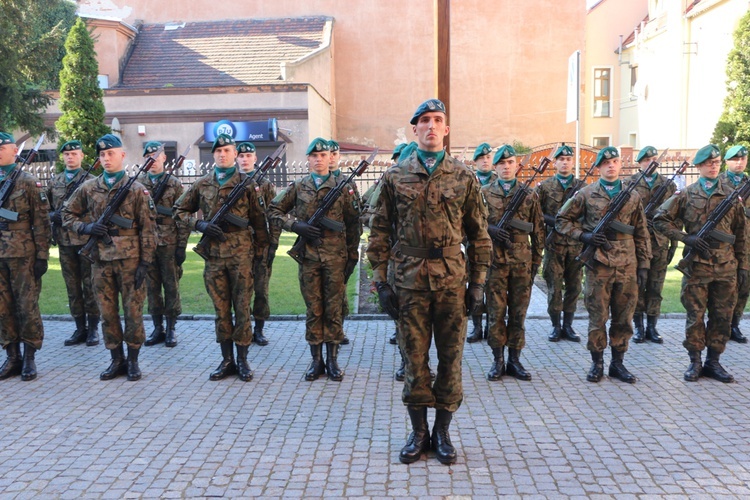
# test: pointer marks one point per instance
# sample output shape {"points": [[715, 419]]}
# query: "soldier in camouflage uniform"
{"points": [[325, 268], [736, 161], [662, 251], [717, 267], [24, 251], [620, 264], [76, 270], [246, 159], [171, 240], [120, 268], [429, 203], [229, 253], [514, 265]]}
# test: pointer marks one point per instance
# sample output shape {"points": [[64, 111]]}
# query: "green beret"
{"points": [[647, 152], [706, 153], [397, 151], [317, 145], [221, 141], [738, 151], [107, 141], [6, 138], [246, 147], [71, 146], [482, 149], [606, 154], [563, 150], [151, 147], [503, 152], [426, 107], [334, 145]]}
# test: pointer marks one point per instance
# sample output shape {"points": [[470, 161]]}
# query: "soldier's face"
{"points": [[484, 163], [225, 156], [609, 170], [644, 163], [73, 159], [246, 161], [737, 165], [112, 159], [431, 129], [564, 165], [8, 154], [158, 166], [506, 168], [710, 168], [335, 157], [319, 162]]}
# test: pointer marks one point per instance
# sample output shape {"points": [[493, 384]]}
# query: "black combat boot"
{"points": [[651, 333], [332, 365], [244, 372], [441, 440], [556, 328], [28, 371], [737, 335], [13, 364], [118, 366], [345, 340], [227, 366], [498, 365], [514, 368], [639, 336], [258, 337], [419, 439], [134, 371], [617, 369], [317, 367], [567, 328], [392, 340], [693, 373], [596, 372], [170, 339], [712, 368], [79, 336], [158, 335], [476, 333], [401, 372], [92, 336]]}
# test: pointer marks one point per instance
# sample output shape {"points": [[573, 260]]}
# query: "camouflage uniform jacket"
{"points": [[266, 193], [168, 230], [30, 234], [89, 202], [302, 197], [729, 185], [551, 196], [690, 208], [56, 190], [425, 211], [529, 211], [582, 213], [208, 196], [657, 239]]}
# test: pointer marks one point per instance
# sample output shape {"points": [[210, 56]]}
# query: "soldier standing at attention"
{"points": [[231, 249], [662, 251], [325, 268], [171, 239], [560, 269], [736, 161], [718, 268], [611, 287], [429, 203], [76, 270], [246, 159], [120, 268]]}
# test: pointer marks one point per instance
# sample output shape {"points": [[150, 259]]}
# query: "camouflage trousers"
{"points": [[564, 277], [649, 299], [743, 293], [261, 278], [76, 272], [229, 283], [422, 315], [508, 291], [711, 287], [164, 273], [610, 293], [111, 280], [322, 286], [20, 320]]}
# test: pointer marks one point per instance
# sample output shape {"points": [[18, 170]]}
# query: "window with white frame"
{"points": [[601, 141], [602, 93]]}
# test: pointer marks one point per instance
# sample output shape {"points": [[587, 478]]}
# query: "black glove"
{"points": [[474, 299], [549, 220], [699, 244], [179, 255], [55, 217], [672, 251], [271, 254], [210, 230], [597, 240], [534, 271], [388, 299], [94, 229], [140, 274], [308, 232], [349, 269], [40, 267], [742, 276], [498, 234], [641, 276]]}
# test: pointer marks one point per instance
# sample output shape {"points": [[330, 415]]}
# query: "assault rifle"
{"points": [[110, 211], [72, 189], [297, 252], [709, 232], [10, 182], [577, 185], [222, 217], [658, 197], [161, 187]]}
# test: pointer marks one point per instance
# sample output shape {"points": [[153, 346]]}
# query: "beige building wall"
{"points": [[111, 37]]}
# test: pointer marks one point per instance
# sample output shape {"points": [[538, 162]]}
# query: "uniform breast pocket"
{"points": [[208, 201], [695, 211], [406, 196], [18, 201]]}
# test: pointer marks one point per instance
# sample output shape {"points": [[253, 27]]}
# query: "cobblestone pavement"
{"points": [[176, 434]]}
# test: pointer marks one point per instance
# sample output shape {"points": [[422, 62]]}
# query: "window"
{"points": [[633, 79], [633, 139], [601, 92], [600, 142]]}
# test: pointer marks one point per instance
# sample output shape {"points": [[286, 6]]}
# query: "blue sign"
{"points": [[259, 131]]}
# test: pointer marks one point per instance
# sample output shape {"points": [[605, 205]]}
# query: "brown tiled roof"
{"points": [[690, 7], [631, 37], [219, 53]]}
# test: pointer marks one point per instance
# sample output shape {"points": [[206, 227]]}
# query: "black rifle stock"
{"points": [[161, 187], [658, 197], [10, 182], [577, 185]]}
